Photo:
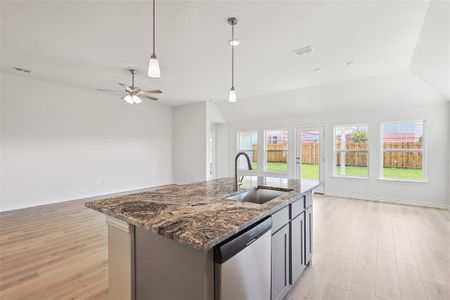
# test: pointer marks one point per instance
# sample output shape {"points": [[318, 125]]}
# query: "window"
{"points": [[248, 143], [276, 154], [402, 151], [351, 151]]}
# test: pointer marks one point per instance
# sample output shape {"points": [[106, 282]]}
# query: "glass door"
{"points": [[310, 155]]}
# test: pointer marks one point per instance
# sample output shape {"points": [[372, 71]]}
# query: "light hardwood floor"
{"points": [[362, 250]]}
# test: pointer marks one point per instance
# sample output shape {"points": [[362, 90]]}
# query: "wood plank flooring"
{"points": [[362, 250], [57, 251], [373, 250]]}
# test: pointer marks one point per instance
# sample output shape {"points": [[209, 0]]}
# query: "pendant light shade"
{"points": [[153, 65], [232, 97]]}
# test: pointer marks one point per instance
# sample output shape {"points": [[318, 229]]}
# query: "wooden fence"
{"points": [[311, 154]]}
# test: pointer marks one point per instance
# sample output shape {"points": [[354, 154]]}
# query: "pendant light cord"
{"points": [[232, 57], [153, 27]]}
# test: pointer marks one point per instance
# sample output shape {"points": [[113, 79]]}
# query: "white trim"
{"points": [[402, 180], [424, 178], [350, 177], [116, 223], [387, 200], [333, 174]]}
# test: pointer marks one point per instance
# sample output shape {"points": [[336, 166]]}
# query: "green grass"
{"points": [[353, 171], [415, 174], [311, 172]]}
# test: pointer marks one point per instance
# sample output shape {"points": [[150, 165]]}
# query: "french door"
{"points": [[310, 155]]}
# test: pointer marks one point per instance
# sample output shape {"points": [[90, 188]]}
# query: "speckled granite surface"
{"points": [[198, 214]]}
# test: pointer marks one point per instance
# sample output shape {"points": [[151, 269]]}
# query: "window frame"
{"points": [[335, 151], [238, 149], [424, 178], [275, 173]]}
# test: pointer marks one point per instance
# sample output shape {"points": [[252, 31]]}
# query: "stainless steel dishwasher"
{"points": [[242, 265]]}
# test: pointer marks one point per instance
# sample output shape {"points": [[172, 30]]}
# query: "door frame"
{"points": [[212, 154], [321, 129]]}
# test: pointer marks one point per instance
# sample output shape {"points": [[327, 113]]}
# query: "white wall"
{"points": [[61, 143], [433, 193], [192, 128], [216, 120], [190, 132], [389, 97]]}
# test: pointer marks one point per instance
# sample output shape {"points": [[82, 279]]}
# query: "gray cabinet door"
{"points": [[280, 263], [298, 257], [309, 233]]}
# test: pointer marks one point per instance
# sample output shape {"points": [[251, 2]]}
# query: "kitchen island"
{"points": [[161, 243]]}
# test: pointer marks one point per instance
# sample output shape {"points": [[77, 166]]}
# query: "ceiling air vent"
{"points": [[304, 50], [22, 70]]}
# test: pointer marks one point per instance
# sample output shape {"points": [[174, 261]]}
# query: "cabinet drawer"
{"points": [[280, 218], [297, 207]]}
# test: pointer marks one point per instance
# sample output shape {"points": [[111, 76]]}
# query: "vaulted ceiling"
{"points": [[91, 44]]}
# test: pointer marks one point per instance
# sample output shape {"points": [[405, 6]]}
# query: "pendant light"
{"points": [[153, 65], [232, 97]]}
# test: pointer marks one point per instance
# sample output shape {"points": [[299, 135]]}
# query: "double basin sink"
{"points": [[258, 195]]}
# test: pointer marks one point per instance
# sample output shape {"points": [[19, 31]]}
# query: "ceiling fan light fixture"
{"points": [[128, 99], [153, 67], [136, 99], [232, 97]]}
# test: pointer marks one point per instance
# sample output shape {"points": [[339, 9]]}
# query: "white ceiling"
{"points": [[431, 60], [91, 44]]}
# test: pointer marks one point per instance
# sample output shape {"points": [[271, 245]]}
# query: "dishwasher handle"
{"points": [[235, 244]]}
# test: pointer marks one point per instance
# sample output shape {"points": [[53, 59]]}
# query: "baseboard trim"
{"points": [[386, 200], [97, 197]]}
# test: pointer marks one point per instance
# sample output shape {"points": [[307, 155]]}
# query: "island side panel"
{"points": [[120, 259], [166, 269]]}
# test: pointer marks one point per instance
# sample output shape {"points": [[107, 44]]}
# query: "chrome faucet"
{"points": [[249, 163]]}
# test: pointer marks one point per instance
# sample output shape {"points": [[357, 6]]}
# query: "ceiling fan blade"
{"points": [[152, 91], [110, 91], [148, 97], [127, 87]]}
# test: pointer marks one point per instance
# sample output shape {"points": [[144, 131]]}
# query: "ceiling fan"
{"points": [[135, 94]]}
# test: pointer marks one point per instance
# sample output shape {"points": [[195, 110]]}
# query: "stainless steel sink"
{"points": [[258, 195]]}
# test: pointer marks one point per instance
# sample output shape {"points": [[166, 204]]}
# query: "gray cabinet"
{"points": [[298, 257], [309, 233], [291, 244], [280, 263]]}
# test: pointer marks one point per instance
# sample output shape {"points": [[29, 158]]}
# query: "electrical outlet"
{"points": [[108, 137]]}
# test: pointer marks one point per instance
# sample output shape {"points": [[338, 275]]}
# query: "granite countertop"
{"points": [[198, 214]]}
